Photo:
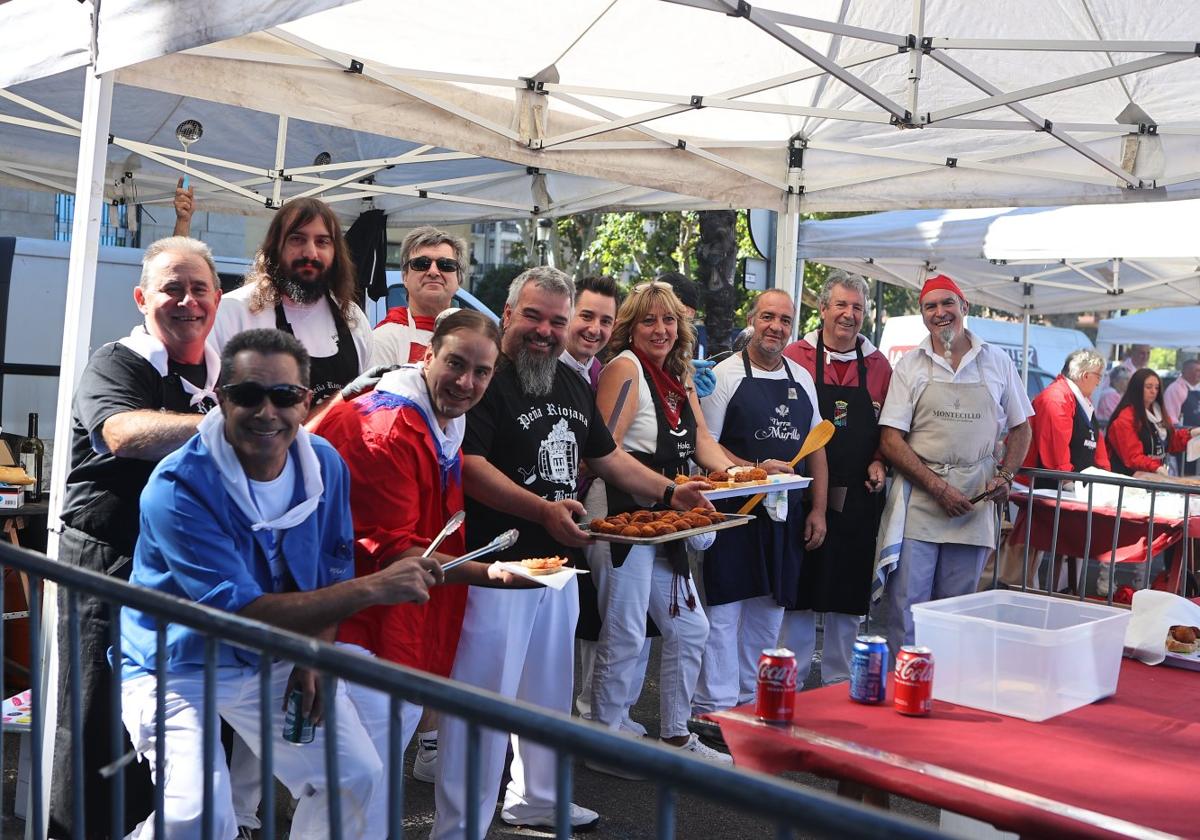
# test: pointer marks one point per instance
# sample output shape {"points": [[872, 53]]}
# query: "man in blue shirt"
{"points": [[252, 516]]}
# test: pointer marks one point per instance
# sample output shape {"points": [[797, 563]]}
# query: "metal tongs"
{"points": [[506, 540], [449, 528]]}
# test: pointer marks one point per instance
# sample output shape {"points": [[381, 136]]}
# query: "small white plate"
{"points": [[773, 484], [555, 581]]}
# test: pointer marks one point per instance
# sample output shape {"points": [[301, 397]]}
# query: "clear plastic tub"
{"points": [[1019, 654]]}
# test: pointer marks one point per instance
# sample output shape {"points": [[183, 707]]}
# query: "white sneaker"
{"points": [[582, 819], [700, 750], [630, 725], [425, 764]]}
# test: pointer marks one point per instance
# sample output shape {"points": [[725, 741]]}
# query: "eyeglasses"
{"points": [[653, 284], [443, 263], [251, 394]]}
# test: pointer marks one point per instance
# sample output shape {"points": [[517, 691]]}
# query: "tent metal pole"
{"points": [[914, 63], [1027, 292], [878, 331], [280, 156], [81, 284], [789, 268]]}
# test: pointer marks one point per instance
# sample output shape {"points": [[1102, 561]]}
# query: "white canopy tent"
{"points": [[1176, 327], [1111, 257]]}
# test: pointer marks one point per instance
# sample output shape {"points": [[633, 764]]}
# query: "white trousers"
{"points": [[738, 633], [373, 708], [518, 643], [643, 583], [587, 665], [799, 634], [301, 767]]}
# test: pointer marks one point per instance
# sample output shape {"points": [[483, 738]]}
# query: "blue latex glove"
{"points": [[704, 379], [366, 381]]}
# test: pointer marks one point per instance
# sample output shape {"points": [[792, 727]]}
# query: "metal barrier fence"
{"points": [[790, 807], [1161, 517]]}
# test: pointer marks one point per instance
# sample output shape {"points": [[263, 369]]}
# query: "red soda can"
{"points": [[776, 697], [913, 681]]}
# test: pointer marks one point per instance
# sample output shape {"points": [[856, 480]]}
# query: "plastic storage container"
{"points": [[1019, 654]]}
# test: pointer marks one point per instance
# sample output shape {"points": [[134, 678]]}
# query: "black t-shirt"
{"points": [[102, 489], [537, 442]]}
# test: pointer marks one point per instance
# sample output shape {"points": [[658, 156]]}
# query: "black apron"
{"points": [[836, 577], [765, 418], [1084, 436], [1189, 412], [329, 374], [671, 453], [1152, 445]]}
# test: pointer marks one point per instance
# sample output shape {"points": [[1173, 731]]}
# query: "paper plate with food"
{"points": [[650, 527], [548, 571], [1183, 646], [746, 481]]}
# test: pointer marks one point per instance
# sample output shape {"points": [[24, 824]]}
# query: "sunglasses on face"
{"points": [[444, 264], [251, 394]]}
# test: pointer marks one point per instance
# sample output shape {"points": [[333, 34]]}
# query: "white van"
{"points": [[33, 294], [1048, 346]]}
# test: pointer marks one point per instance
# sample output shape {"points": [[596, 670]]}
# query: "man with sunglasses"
{"points": [[432, 261], [138, 399], [252, 516]]}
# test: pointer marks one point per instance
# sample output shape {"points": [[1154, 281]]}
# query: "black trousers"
{"points": [[94, 677]]}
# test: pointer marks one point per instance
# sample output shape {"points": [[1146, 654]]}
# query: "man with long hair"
{"points": [[303, 282]]}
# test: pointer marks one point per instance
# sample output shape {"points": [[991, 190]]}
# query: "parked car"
{"points": [[397, 295]]}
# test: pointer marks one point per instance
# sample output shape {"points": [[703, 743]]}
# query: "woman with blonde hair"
{"points": [[661, 425]]}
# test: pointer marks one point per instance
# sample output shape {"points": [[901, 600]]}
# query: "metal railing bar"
{"points": [[472, 782], [666, 812], [818, 811], [1185, 554], [1115, 480], [266, 758], [3, 665], [37, 718], [116, 725], [395, 771], [563, 795], [1087, 546], [160, 728], [333, 781], [1028, 530], [1052, 583], [209, 733], [783, 831], [1150, 536], [1112, 557], [74, 659]]}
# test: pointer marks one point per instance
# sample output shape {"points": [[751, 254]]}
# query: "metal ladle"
{"points": [[187, 133]]}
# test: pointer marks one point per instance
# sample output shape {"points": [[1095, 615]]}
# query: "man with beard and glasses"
{"points": [[303, 283], [432, 261], [950, 403], [523, 446]]}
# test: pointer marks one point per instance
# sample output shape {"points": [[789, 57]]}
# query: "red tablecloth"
{"points": [[1072, 529], [1123, 766]]}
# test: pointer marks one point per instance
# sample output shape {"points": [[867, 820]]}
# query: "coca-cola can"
{"points": [[776, 697], [913, 683], [868, 670]]}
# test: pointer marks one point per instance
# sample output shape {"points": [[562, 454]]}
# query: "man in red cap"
{"points": [[950, 403]]}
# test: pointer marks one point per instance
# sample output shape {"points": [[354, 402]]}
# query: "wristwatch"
{"points": [[1005, 474], [668, 494]]}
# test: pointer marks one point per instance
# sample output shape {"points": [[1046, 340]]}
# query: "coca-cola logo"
{"points": [[778, 676], [917, 669]]}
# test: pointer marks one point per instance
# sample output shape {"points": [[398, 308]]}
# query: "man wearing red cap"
{"points": [[950, 403]]}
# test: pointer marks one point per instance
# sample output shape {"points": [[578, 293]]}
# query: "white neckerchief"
{"points": [[1155, 417], [155, 352], [233, 477], [1080, 398], [409, 382], [850, 355]]}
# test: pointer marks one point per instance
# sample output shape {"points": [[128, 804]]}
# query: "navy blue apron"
{"points": [[1189, 415], [1082, 447], [329, 374], [765, 418], [836, 576]]}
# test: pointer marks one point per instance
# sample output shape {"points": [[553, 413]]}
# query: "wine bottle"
{"points": [[32, 451]]}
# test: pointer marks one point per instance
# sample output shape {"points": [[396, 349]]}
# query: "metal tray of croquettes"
{"points": [[651, 527]]}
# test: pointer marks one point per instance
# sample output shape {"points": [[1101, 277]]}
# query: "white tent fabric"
{"points": [[1103, 266], [1176, 327], [849, 104]]}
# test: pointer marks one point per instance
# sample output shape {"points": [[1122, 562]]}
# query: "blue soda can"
{"points": [[297, 729], [868, 670]]}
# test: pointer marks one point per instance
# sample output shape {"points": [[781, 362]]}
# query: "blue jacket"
{"points": [[197, 544]]}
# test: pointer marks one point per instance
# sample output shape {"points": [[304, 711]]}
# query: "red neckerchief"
{"points": [[400, 315], [670, 390]]}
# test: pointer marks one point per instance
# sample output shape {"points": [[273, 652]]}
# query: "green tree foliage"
{"points": [[492, 288]]}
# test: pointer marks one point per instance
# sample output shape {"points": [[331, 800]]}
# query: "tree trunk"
{"points": [[716, 255]]}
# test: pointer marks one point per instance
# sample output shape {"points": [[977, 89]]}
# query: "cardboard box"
{"points": [[11, 496]]}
